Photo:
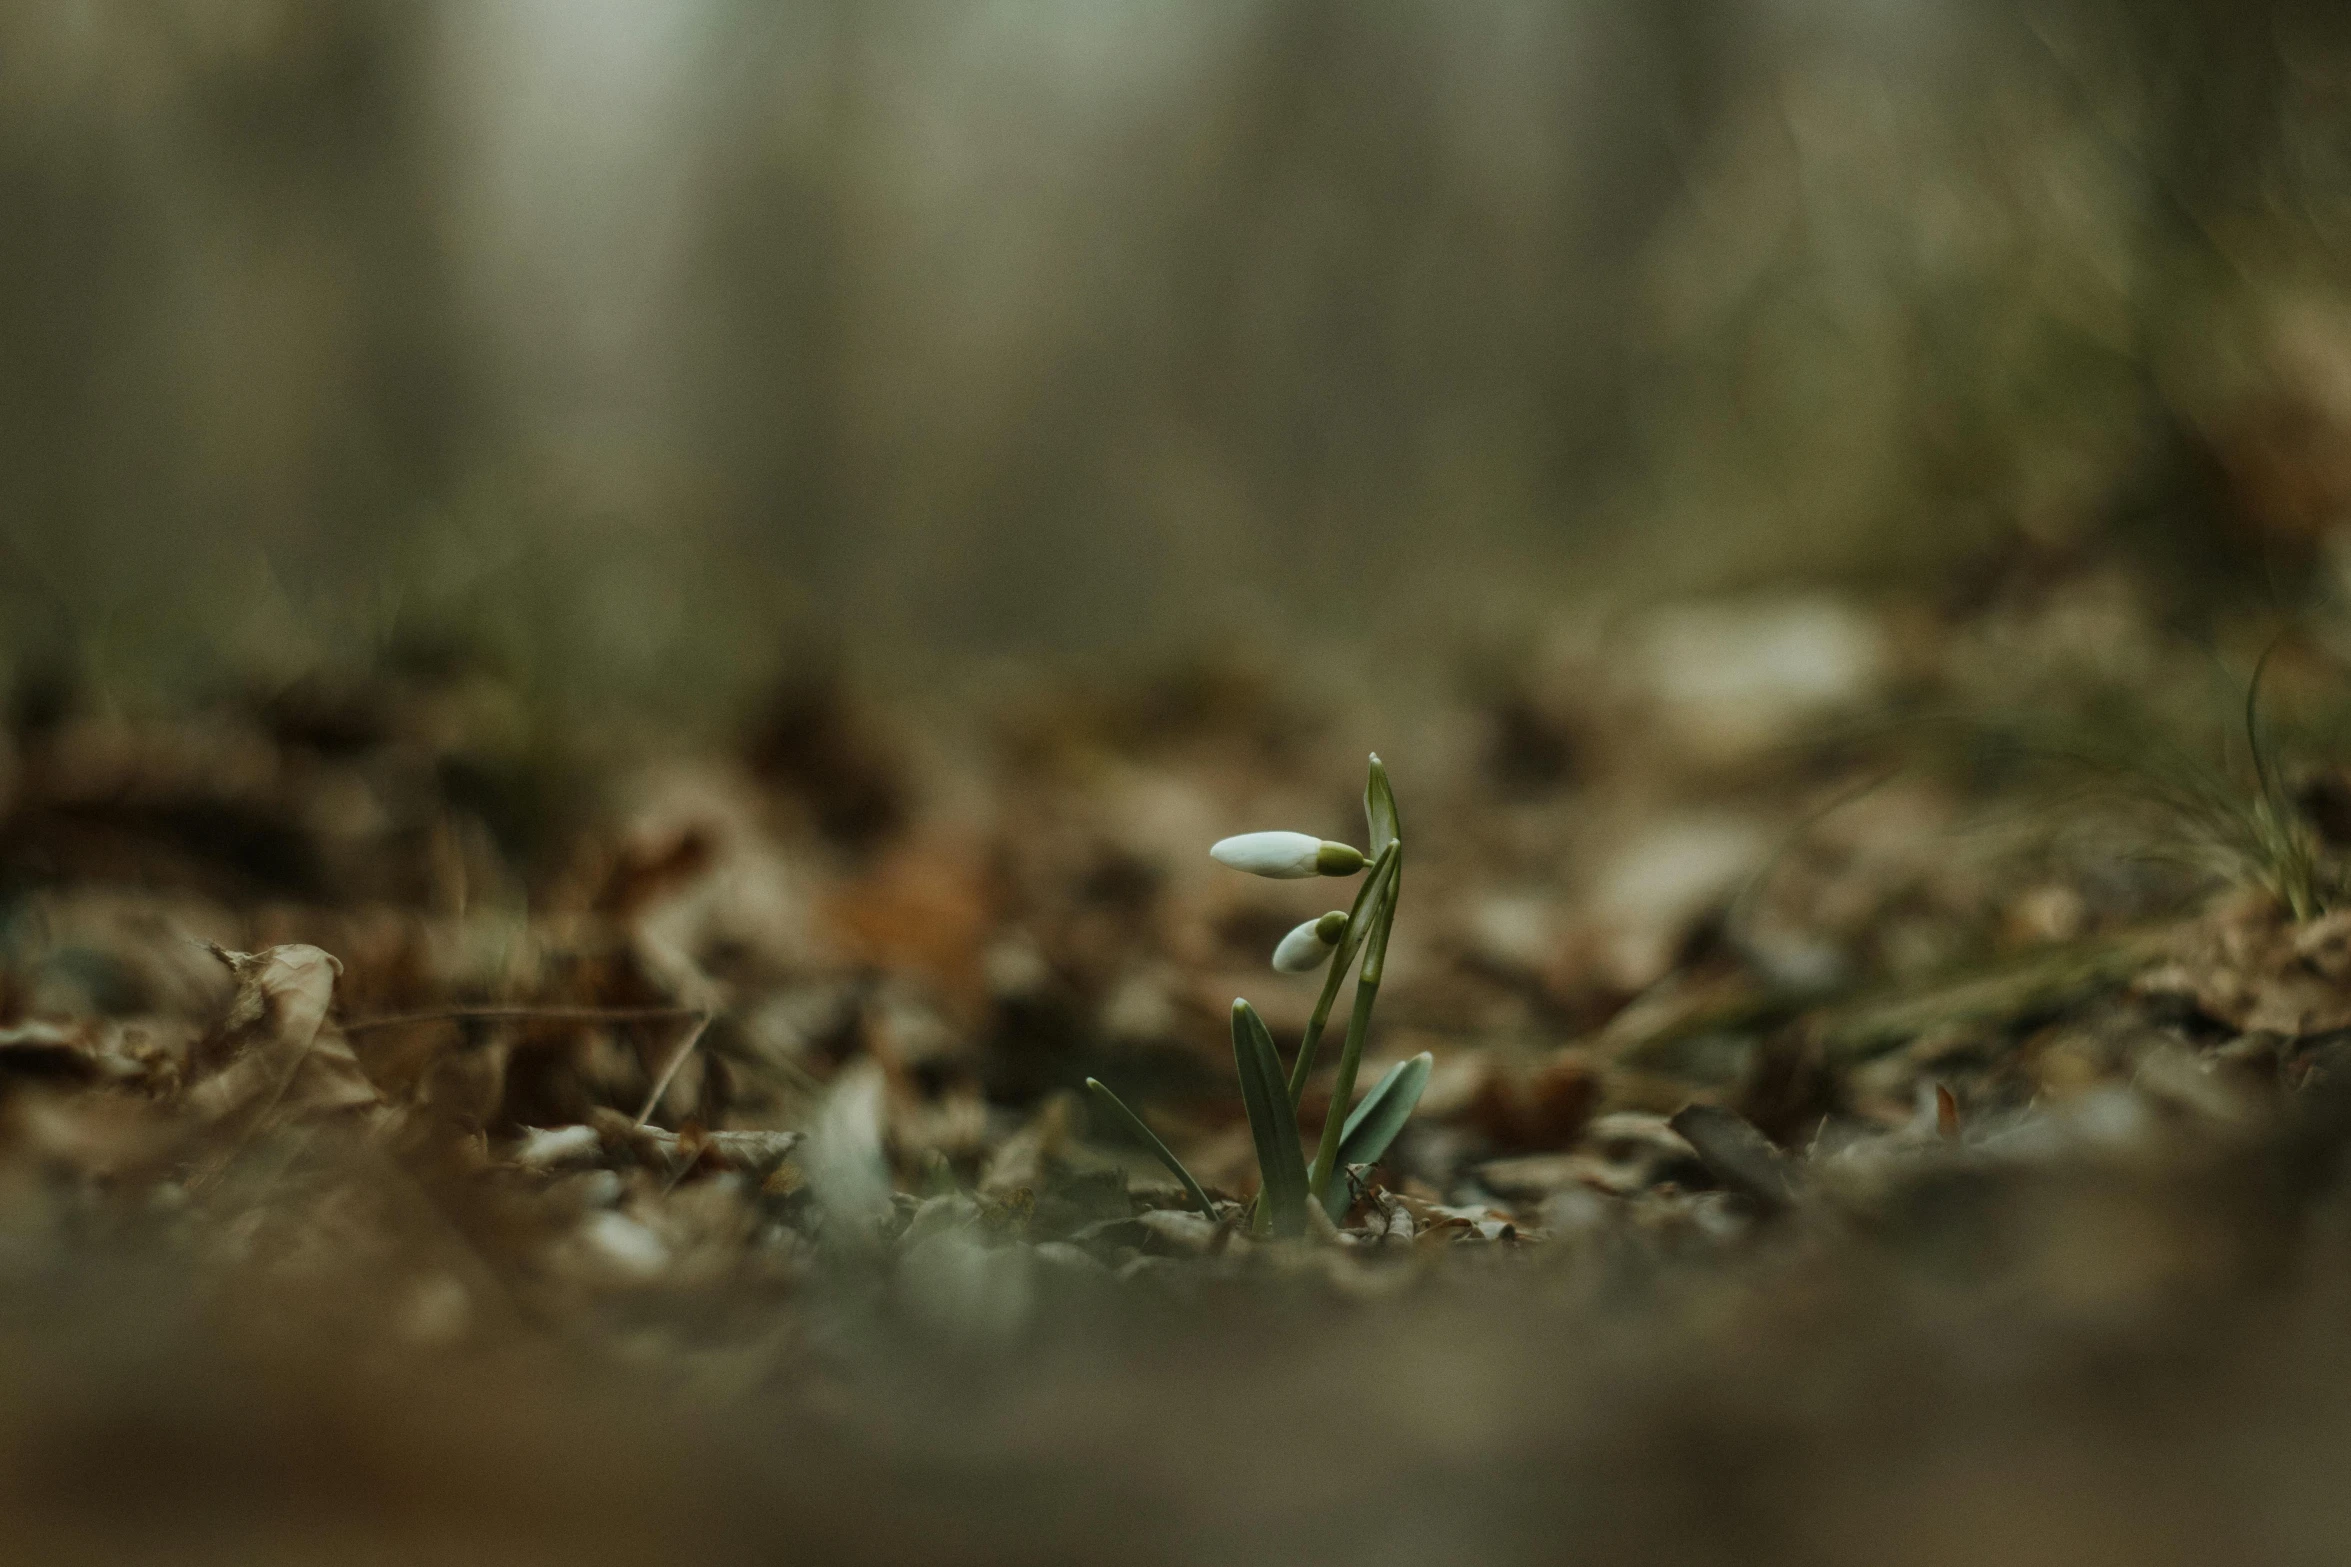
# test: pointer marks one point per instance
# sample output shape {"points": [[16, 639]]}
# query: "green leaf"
{"points": [[1376, 1121], [1379, 808], [1281, 1164], [1150, 1139]]}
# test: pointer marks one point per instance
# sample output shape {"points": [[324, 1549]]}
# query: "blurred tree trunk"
{"points": [[227, 323]]}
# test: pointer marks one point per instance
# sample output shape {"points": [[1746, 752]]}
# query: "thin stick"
{"points": [[685, 1049], [549, 1014]]}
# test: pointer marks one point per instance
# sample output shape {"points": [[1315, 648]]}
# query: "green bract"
{"points": [[1286, 1181]]}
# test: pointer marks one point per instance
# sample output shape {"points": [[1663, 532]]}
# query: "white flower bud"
{"points": [[1310, 946], [1287, 855]]}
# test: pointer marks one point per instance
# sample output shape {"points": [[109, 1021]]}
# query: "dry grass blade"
{"points": [[676, 1061]]}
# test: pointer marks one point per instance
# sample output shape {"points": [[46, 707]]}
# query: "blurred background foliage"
{"points": [[637, 344]]}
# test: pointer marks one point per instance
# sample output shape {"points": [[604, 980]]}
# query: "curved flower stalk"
{"points": [[1287, 1185], [1368, 898]]}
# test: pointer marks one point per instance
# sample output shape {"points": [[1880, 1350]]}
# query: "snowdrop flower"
{"points": [[1308, 947], [1287, 855]]}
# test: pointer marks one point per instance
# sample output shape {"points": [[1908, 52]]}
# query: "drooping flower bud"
{"points": [[1310, 946], [1287, 855]]}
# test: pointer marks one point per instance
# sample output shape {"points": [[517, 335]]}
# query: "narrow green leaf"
{"points": [[1281, 1164], [1379, 808], [1376, 1121], [1150, 1139]]}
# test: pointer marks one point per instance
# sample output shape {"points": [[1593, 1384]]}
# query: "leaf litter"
{"points": [[739, 1139]]}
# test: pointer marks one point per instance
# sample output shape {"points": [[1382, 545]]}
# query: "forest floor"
{"points": [[1892, 1078]]}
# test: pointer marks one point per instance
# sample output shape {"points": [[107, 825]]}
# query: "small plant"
{"points": [[1287, 1182], [2216, 815]]}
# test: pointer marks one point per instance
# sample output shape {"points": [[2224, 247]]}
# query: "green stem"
{"points": [[1367, 993], [1383, 870]]}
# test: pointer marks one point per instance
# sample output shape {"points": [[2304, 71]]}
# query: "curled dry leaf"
{"points": [[275, 1053]]}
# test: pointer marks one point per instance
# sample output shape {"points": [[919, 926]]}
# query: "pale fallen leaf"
{"points": [[275, 1053], [1179, 1229], [547, 1147], [847, 1167]]}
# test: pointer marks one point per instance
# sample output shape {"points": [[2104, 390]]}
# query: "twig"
{"points": [[685, 1049], [701, 1018], [550, 1014]]}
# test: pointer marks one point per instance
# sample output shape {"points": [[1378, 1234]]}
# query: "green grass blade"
{"points": [[1376, 1121], [1281, 1164], [1150, 1139]]}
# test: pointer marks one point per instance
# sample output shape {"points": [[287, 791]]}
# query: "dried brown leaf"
{"points": [[275, 1053]]}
